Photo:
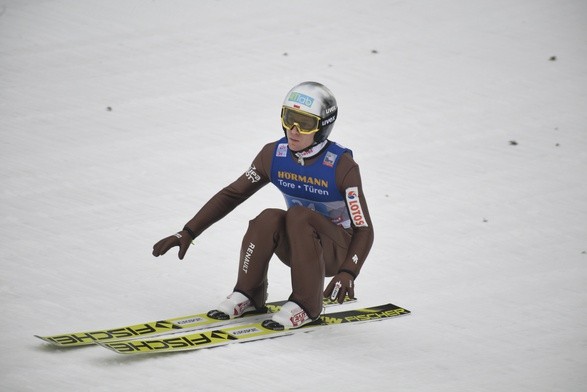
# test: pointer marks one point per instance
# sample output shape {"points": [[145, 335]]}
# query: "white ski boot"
{"points": [[290, 316], [235, 305]]}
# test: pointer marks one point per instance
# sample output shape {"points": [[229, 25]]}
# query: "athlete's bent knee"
{"points": [[271, 218]]}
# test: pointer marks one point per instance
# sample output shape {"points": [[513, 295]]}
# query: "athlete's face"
{"points": [[298, 141]]}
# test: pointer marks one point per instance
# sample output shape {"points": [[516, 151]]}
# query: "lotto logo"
{"points": [[281, 150]]}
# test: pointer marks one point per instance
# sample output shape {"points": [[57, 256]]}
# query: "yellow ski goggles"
{"points": [[307, 123]]}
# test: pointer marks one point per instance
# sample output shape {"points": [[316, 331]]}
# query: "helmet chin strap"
{"points": [[309, 152]]}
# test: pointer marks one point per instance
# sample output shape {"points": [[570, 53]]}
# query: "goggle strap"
{"points": [[328, 120]]}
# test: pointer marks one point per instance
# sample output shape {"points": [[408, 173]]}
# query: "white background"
{"points": [[483, 239]]}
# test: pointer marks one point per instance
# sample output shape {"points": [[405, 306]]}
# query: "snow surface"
{"points": [[119, 119]]}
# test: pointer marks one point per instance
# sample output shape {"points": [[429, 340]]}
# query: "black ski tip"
{"points": [[217, 315], [272, 325]]}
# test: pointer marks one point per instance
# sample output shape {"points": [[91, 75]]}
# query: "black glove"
{"points": [[181, 239], [341, 284]]}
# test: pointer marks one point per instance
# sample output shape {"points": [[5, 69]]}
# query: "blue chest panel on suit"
{"points": [[312, 186]]}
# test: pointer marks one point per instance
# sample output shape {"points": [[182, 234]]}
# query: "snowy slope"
{"points": [[120, 119]]}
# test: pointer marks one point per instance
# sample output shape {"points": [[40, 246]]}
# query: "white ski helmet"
{"points": [[316, 101]]}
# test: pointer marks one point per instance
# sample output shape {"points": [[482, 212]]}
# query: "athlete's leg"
{"points": [[317, 248], [259, 244]]}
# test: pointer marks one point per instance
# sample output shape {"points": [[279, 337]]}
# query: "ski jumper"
{"points": [[326, 227]]}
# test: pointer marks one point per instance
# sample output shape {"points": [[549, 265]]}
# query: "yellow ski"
{"points": [[246, 332], [154, 328]]}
